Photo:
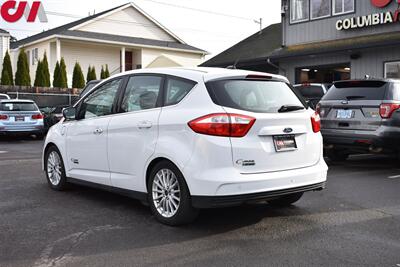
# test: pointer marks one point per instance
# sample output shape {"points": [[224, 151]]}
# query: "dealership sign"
{"points": [[371, 19], [13, 11]]}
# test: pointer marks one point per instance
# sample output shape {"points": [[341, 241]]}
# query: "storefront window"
{"points": [[299, 10], [392, 70], [343, 6], [320, 8]]}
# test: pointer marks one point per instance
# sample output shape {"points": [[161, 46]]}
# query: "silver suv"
{"points": [[361, 116]]}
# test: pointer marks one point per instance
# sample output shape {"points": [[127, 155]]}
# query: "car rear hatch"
{"points": [[19, 113], [277, 140], [353, 105]]}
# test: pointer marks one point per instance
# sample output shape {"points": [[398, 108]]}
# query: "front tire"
{"points": [[169, 196], [55, 170], [287, 200]]}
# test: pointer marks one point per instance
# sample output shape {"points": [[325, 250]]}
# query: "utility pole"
{"points": [[259, 22]]}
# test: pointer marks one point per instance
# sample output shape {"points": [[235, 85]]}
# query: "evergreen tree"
{"points": [[106, 72], [56, 76], [7, 73], [63, 74], [22, 76], [46, 72], [78, 80], [94, 76], [102, 73], [39, 77]]}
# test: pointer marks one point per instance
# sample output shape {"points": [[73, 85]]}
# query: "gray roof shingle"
{"points": [[256, 46]]}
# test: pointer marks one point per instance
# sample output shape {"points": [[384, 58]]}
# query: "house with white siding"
{"points": [[4, 45], [124, 37]]}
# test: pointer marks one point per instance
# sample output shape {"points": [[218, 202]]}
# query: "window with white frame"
{"points": [[320, 8], [35, 56], [343, 6], [299, 10], [392, 70]]}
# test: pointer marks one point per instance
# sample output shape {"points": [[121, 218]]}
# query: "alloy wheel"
{"points": [[166, 193], [54, 168]]}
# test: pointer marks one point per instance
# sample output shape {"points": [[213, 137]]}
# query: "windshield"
{"points": [[18, 106], [253, 95], [357, 90]]}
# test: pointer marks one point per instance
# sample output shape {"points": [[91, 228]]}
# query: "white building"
{"points": [[4, 45], [124, 37]]}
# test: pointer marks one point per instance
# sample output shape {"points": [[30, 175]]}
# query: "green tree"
{"points": [[22, 76], [63, 74], [91, 75], [46, 71], [78, 80], [39, 77], [7, 73], [102, 73], [106, 72], [56, 75]]}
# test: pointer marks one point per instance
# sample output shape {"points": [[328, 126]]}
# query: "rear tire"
{"points": [[286, 201], [168, 195], [55, 170], [337, 156]]}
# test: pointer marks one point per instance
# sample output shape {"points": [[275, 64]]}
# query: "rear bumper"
{"points": [[386, 138], [236, 200], [31, 129]]}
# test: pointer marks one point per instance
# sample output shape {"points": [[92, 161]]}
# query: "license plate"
{"points": [[344, 114], [285, 143], [19, 118]]}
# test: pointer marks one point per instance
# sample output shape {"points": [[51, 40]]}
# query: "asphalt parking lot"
{"points": [[354, 222]]}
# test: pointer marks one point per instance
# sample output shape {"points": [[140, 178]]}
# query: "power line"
{"points": [[200, 10]]}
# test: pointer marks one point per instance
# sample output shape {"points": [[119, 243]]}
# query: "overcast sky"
{"points": [[210, 30]]}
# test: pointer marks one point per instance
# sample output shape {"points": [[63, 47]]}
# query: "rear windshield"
{"points": [[357, 90], [253, 95], [3, 97], [18, 106], [311, 91]]}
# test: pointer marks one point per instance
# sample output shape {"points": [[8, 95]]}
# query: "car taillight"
{"points": [[37, 117], [223, 124], [386, 110], [316, 122], [3, 117]]}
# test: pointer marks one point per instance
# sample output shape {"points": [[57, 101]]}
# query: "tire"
{"points": [[337, 156], [57, 180], [168, 195], [286, 201]]}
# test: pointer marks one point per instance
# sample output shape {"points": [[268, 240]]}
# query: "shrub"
{"points": [[7, 73], [56, 75], [91, 75], [22, 76], [46, 72], [106, 72], [63, 74], [78, 80], [39, 77]]}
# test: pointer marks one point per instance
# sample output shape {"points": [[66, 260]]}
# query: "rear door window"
{"points": [[18, 106], [357, 90], [253, 95], [176, 89]]}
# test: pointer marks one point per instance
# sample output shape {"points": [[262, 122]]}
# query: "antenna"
{"points": [[259, 22]]}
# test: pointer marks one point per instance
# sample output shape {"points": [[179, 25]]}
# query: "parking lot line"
{"points": [[394, 177]]}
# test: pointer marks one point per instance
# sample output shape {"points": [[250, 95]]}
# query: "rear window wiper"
{"points": [[350, 97], [289, 108]]}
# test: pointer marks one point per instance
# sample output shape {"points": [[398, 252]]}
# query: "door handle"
{"points": [[98, 131], [144, 125]]}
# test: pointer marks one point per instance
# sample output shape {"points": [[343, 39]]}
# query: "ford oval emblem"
{"points": [[288, 130]]}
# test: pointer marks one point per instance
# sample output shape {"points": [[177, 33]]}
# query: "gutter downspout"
{"points": [[276, 66]]}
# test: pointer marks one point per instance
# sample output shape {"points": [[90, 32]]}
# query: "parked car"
{"points": [[184, 139], [313, 92], [4, 96], [52, 115], [21, 117], [361, 116], [89, 86]]}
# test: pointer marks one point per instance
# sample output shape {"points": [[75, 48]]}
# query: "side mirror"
{"points": [[69, 113]]}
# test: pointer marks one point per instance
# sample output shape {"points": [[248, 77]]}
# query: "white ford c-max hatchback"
{"points": [[184, 139]]}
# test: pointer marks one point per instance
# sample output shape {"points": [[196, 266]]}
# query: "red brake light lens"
{"points": [[223, 124], [3, 117], [37, 117], [316, 122], [386, 110]]}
